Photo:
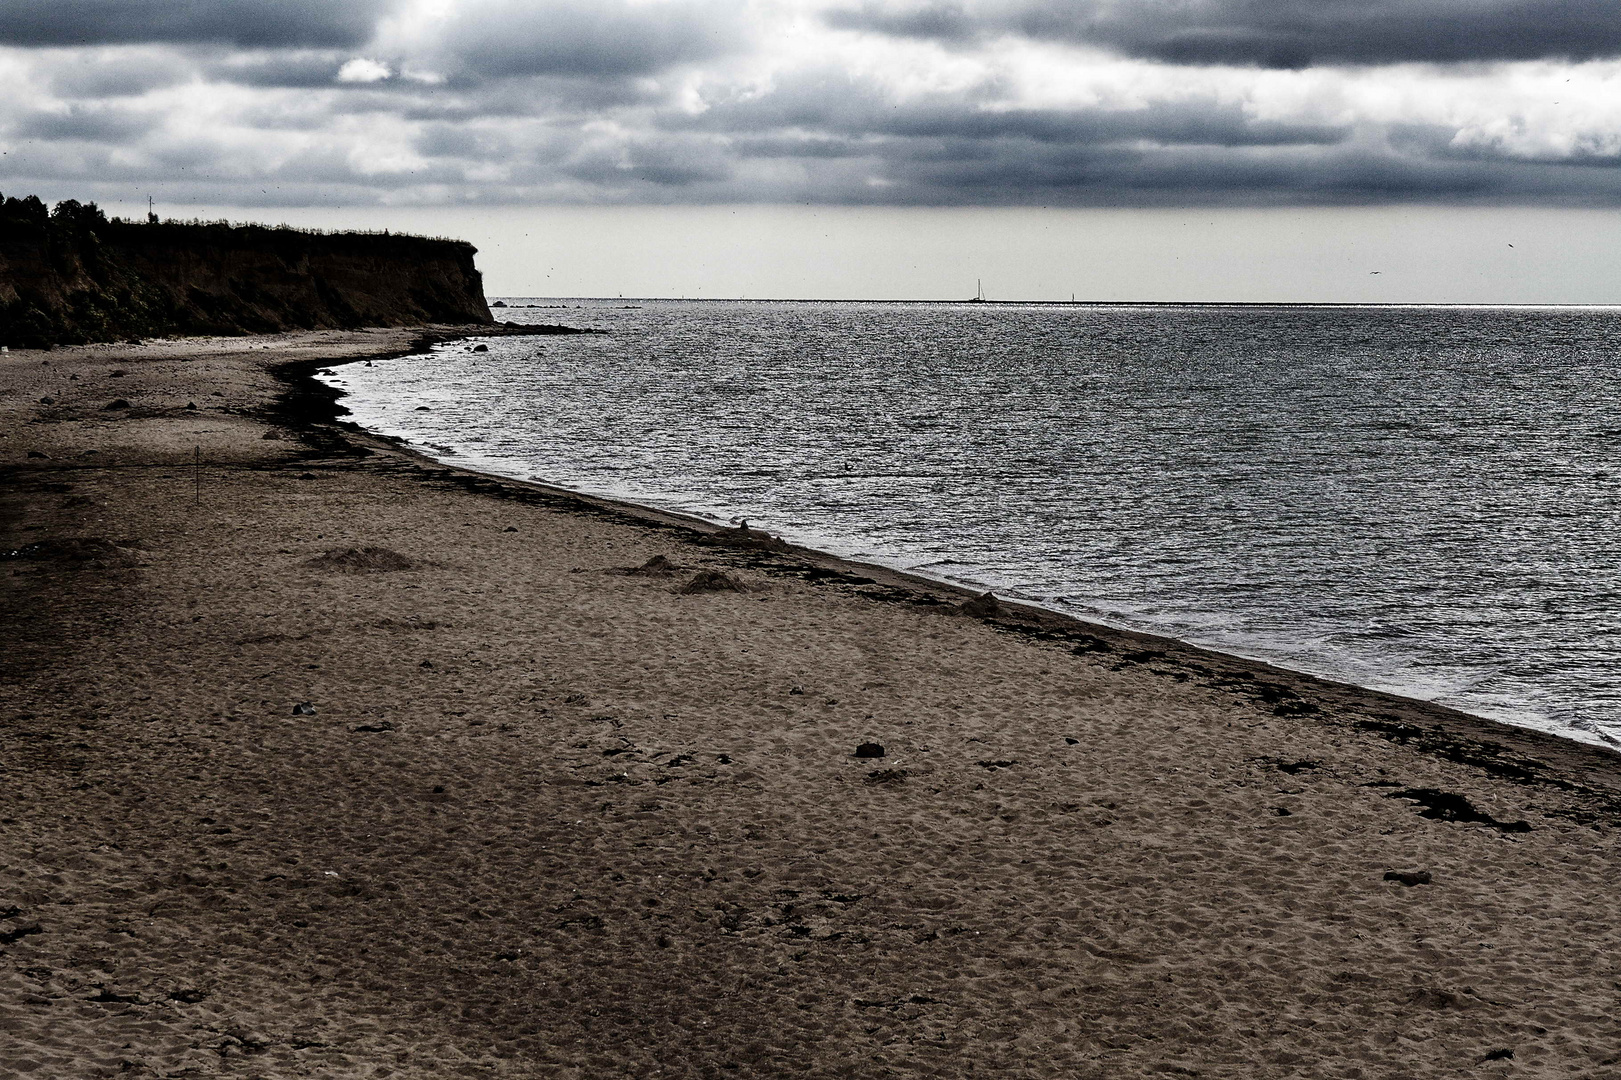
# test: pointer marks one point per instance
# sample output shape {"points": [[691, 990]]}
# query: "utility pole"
{"points": [[151, 215]]}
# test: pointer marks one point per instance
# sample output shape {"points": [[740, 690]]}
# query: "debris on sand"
{"points": [[886, 776], [984, 606], [381, 725], [744, 537], [303, 708], [870, 750], [115, 403], [657, 566], [1449, 806], [1409, 877], [361, 560], [712, 581]]}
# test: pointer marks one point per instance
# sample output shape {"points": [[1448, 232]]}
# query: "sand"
{"points": [[320, 759]]}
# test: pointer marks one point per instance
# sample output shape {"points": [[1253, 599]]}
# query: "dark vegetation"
{"points": [[71, 275]]}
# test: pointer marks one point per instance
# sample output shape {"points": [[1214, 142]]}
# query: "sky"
{"points": [[1358, 150]]}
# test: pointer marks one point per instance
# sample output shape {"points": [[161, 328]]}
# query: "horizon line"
{"points": [[1061, 303]]}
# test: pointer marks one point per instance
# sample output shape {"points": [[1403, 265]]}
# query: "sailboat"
{"points": [[979, 292]]}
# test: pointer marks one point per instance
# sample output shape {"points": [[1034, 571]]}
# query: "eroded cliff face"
{"points": [[71, 276]]}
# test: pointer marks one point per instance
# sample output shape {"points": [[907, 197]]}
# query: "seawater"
{"points": [[1416, 499]]}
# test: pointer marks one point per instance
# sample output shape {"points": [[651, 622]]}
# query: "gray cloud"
{"points": [[294, 68], [1272, 33], [94, 75], [463, 141], [830, 105], [595, 39], [245, 23], [505, 101], [108, 126], [1020, 172], [940, 20], [932, 172]]}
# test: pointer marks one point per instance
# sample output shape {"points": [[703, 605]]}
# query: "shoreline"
{"points": [[1020, 610], [324, 758]]}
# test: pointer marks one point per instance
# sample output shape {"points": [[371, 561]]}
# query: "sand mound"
{"points": [[712, 581], [361, 560]]}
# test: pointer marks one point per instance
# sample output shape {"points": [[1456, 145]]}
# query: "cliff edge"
{"points": [[71, 275]]}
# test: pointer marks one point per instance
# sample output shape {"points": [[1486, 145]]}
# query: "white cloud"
{"points": [[362, 70]]}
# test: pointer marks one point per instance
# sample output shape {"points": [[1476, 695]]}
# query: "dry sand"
{"points": [[550, 819]]}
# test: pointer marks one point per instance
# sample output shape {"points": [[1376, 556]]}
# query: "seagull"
{"points": [[1371, 272]]}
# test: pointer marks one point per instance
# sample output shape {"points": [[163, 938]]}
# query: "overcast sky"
{"points": [[1105, 112]]}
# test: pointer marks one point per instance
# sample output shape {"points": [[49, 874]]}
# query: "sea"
{"points": [[1417, 499]]}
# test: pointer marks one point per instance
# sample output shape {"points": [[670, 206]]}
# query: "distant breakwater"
{"points": [[71, 275]]}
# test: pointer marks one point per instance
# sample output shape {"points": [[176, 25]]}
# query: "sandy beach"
{"points": [[318, 758]]}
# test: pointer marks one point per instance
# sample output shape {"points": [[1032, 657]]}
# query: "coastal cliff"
{"points": [[71, 275]]}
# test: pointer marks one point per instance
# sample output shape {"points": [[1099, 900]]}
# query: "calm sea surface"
{"points": [[1418, 499]]}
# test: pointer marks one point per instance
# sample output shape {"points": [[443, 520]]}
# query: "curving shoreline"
{"points": [[1016, 615], [620, 424], [552, 818]]}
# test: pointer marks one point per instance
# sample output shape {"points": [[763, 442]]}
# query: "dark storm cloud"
{"points": [[245, 23], [1273, 33], [595, 39]]}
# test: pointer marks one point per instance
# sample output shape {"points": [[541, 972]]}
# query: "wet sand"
{"points": [[321, 759]]}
